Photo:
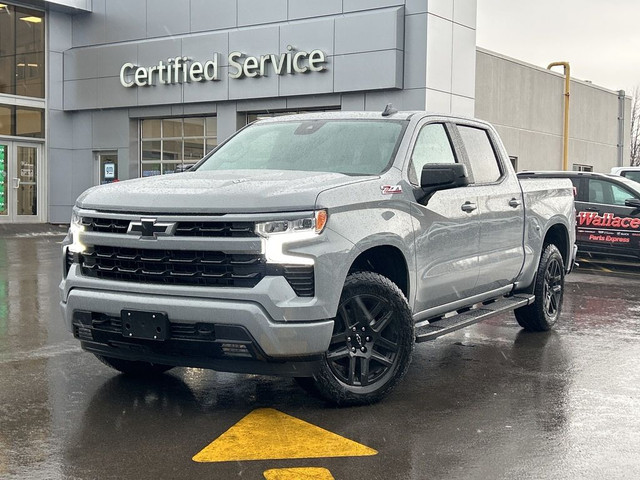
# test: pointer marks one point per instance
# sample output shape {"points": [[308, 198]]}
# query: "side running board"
{"points": [[439, 327]]}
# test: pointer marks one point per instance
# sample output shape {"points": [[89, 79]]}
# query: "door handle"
{"points": [[468, 207], [16, 183], [592, 209], [514, 202]]}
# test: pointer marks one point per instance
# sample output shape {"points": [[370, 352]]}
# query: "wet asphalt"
{"points": [[487, 402]]}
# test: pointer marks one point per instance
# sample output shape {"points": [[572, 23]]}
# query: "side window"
{"points": [[620, 194], [608, 193], [484, 164], [596, 191], [432, 146]]}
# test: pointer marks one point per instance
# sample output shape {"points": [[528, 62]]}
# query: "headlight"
{"points": [[310, 224], [75, 228], [279, 233]]}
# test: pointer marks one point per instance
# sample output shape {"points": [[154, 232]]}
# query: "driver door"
{"points": [[446, 227]]}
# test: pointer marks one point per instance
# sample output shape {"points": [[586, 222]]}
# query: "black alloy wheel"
{"points": [[545, 311], [553, 285], [371, 344], [364, 346]]}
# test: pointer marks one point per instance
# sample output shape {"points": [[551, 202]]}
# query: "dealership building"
{"points": [[96, 91]]}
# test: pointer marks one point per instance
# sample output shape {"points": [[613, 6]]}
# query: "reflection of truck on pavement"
{"points": [[608, 213], [317, 246]]}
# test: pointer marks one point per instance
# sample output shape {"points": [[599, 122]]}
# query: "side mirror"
{"points": [[632, 202], [436, 176]]}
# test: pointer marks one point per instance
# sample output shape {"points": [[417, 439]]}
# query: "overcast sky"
{"points": [[600, 39]]}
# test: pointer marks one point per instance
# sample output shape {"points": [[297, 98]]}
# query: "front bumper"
{"points": [[223, 335]]}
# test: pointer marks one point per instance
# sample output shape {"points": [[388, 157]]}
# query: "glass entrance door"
{"points": [[20, 167]]}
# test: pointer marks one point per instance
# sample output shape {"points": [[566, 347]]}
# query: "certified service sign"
{"points": [[184, 69]]}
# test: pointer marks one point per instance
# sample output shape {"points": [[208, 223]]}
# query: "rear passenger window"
{"points": [[608, 193], [432, 146], [484, 164]]}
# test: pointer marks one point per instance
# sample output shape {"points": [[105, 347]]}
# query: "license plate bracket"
{"points": [[145, 325]]}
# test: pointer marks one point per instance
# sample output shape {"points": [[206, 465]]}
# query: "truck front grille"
{"points": [[174, 267], [216, 229], [213, 229]]}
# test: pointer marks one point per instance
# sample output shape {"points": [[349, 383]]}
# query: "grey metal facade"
{"points": [[526, 103], [417, 54]]}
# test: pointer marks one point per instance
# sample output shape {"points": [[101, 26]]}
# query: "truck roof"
{"points": [[574, 174], [347, 115]]}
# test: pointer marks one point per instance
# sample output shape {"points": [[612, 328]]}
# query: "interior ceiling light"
{"points": [[31, 19]]}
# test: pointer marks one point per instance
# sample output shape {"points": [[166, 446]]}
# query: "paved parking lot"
{"points": [[486, 402]]}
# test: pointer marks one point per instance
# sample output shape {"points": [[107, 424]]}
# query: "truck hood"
{"points": [[237, 191]]}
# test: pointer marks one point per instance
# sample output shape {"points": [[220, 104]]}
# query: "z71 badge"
{"points": [[391, 189]]}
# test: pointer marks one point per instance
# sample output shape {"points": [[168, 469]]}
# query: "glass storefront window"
{"points": [[169, 167], [6, 119], [150, 169], [172, 127], [193, 150], [211, 144], [211, 126], [21, 121], [151, 129], [171, 150], [29, 122], [22, 53], [170, 145], [194, 127], [151, 150]]}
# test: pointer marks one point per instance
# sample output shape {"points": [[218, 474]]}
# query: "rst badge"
{"points": [[150, 229], [391, 189]]}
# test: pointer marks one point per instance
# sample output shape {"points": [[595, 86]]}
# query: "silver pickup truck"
{"points": [[318, 246]]}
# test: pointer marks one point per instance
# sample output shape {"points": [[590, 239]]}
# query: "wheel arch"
{"points": [[559, 236], [386, 260]]}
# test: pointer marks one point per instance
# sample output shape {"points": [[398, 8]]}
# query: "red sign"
{"points": [[608, 229], [608, 220]]}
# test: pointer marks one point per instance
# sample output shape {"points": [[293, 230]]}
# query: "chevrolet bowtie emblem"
{"points": [[149, 229]]}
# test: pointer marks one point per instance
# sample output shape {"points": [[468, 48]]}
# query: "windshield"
{"points": [[352, 147]]}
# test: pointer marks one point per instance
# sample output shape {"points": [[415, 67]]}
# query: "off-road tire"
{"points": [[371, 344], [544, 312], [132, 367]]}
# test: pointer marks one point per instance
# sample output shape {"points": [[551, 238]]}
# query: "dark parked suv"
{"points": [[608, 212]]}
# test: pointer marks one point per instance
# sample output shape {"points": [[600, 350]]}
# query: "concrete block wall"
{"points": [[526, 104]]}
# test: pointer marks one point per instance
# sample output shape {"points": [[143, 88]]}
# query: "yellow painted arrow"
{"points": [[267, 434], [304, 473]]}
